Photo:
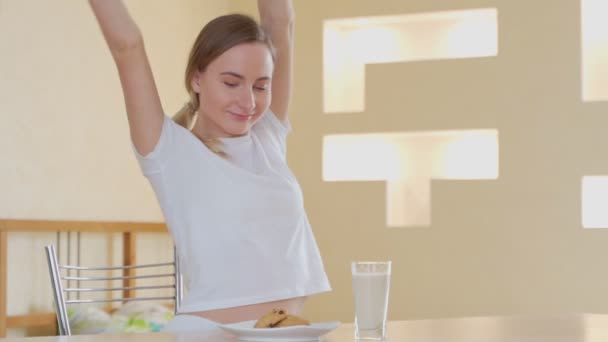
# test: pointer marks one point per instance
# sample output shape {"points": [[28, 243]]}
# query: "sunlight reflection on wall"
{"points": [[595, 200], [594, 43], [594, 46], [351, 43], [408, 162]]}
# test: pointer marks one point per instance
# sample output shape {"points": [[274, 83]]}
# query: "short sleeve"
{"points": [[272, 131], [155, 161]]}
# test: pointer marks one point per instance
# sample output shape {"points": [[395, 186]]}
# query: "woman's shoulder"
{"points": [[269, 123], [174, 144]]}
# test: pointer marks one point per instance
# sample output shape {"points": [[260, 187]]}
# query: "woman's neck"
{"points": [[205, 129]]}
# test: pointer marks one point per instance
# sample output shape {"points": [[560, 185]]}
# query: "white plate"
{"points": [[300, 333]]}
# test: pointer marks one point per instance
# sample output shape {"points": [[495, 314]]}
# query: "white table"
{"points": [[551, 328]]}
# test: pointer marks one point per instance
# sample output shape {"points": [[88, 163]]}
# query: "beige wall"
{"points": [[507, 246], [64, 138], [65, 132], [510, 246]]}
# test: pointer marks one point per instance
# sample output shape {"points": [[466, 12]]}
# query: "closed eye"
{"points": [[230, 84]]}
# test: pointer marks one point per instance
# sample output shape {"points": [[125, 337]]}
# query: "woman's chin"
{"points": [[238, 131]]}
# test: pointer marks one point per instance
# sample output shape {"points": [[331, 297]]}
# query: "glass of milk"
{"points": [[371, 284]]}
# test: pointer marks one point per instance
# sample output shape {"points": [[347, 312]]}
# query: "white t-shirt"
{"points": [[239, 224]]}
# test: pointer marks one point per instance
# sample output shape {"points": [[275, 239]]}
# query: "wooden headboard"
{"points": [[128, 230]]}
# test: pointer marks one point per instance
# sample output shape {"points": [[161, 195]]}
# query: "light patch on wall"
{"points": [[408, 162], [594, 38], [595, 201], [351, 43]]}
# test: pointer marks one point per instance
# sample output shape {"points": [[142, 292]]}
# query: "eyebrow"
{"points": [[234, 74]]}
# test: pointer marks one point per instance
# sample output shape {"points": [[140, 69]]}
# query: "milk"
{"points": [[370, 291]]}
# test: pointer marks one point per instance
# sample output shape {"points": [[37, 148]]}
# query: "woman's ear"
{"points": [[195, 83]]}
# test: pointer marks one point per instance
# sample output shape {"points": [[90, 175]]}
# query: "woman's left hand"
{"points": [[277, 19]]}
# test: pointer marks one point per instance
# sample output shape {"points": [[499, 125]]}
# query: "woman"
{"points": [[219, 170]]}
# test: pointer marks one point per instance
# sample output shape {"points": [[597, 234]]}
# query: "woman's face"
{"points": [[234, 90]]}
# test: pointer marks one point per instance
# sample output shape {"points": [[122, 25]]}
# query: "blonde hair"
{"points": [[218, 36], [187, 116]]}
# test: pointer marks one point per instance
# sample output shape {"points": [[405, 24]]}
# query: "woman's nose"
{"points": [[247, 101]]}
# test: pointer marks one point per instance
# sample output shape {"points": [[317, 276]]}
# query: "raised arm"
{"points": [[124, 39], [277, 18]]}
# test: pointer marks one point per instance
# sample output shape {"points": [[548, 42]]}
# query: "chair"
{"points": [[60, 292]]}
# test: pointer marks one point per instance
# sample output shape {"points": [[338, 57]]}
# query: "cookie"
{"points": [[270, 319], [291, 320]]}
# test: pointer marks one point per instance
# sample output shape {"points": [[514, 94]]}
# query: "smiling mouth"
{"points": [[242, 116]]}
